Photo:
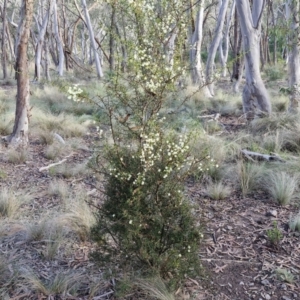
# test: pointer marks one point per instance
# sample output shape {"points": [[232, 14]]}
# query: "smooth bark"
{"points": [[40, 42], [3, 42], [224, 44], [215, 44], [256, 101], [294, 56], [195, 52], [61, 56], [92, 40]]}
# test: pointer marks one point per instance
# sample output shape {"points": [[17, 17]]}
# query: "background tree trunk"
{"points": [[3, 43], [294, 57], [19, 135], [40, 43], [224, 43], [92, 40], [215, 44], [61, 55], [255, 96], [195, 53]]}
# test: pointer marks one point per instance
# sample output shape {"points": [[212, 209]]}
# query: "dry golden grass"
{"points": [[9, 203], [58, 188], [80, 217]]}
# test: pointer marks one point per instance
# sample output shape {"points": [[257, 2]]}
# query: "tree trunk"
{"points": [[294, 57], [40, 42], [19, 135], [224, 43], [3, 46], [215, 44], [238, 56], [112, 37], [61, 55], [255, 96], [92, 40], [195, 53]]}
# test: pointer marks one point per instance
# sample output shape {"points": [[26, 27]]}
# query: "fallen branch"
{"points": [[52, 165], [212, 116], [259, 156]]}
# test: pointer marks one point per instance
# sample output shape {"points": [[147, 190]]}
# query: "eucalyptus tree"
{"points": [[58, 39], [224, 43], [92, 39], [294, 56], [198, 77], [3, 41], [256, 100], [19, 135], [40, 40], [215, 44]]}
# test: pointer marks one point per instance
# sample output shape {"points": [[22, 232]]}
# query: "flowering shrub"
{"points": [[146, 220]]}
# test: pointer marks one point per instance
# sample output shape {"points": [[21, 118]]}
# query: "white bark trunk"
{"points": [[224, 44], [61, 56], [294, 56], [255, 96], [195, 53], [40, 43], [92, 39], [215, 44]]}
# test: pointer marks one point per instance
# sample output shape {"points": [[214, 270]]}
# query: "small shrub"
{"points": [[285, 275], [54, 151], [274, 235], [145, 219], [282, 187], [274, 72], [218, 191], [3, 174]]}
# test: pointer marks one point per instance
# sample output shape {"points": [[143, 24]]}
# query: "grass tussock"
{"points": [[45, 137], [80, 218], [61, 284], [154, 288], [274, 122], [55, 150], [282, 187], [17, 156], [9, 203], [218, 190], [69, 170], [249, 176], [50, 233], [58, 188], [65, 125]]}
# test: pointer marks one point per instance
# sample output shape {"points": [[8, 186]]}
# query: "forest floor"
{"points": [[237, 256]]}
